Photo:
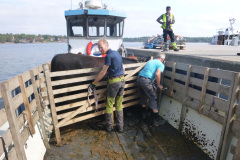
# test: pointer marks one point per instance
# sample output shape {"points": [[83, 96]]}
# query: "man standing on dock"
{"points": [[147, 89], [167, 22], [116, 83]]}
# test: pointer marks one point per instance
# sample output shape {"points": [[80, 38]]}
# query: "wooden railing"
{"points": [[209, 91], [22, 110], [68, 94]]}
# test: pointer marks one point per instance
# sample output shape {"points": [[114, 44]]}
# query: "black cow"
{"points": [[62, 62]]}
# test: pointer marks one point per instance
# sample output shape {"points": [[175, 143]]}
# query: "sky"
{"points": [[194, 18]]}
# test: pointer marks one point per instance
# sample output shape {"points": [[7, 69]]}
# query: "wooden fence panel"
{"points": [[60, 91]]}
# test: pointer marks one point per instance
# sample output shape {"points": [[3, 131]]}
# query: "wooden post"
{"points": [[26, 104], [183, 110], [12, 120], [172, 78], [236, 156], [204, 88], [227, 125], [52, 104], [40, 113]]}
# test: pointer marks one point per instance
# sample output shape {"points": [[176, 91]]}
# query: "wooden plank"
{"points": [[183, 110], [196, 81], [198, 69], [39, 108], [26, 104], [194, 93], [180, 77], [14, 128], [35, 118], [12, 154], [3, 116], [91, 108], [204, 88], [52, 103], [61, 123], [182, 66], [20, 121], [219, 103], [169, 64], [219, 88], [178, 87], [32, 105], [172, 79], [74, 80], [26, 76], [236, 156], [97, 114], [17, 101], [132, 65], [76, 71], [236, 126], [167, 73], [7, 139], [226, 131], [221, 74], [0, 94], [13, 83], [29, 90]]}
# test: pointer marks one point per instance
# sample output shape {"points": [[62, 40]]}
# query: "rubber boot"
{"points": [[156, 119], [144, 113], [174, 45], [119, 121], [166, 47], [108, 119]]}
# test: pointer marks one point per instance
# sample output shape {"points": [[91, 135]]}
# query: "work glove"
{"points": [[92, 87]]}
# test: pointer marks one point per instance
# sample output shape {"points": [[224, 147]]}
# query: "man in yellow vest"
{"points": [[167, 22]]}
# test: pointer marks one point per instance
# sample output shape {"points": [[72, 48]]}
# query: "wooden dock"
{"points": [[212, 56]]}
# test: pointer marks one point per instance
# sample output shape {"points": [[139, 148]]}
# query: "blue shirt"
{"points": [[114, 60], [150, 69]]}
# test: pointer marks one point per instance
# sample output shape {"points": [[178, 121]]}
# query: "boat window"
{"points": [[114, 27], [77, 26], [96, 26]]}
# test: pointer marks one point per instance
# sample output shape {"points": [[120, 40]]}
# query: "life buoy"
{"points": [[90, 47]]}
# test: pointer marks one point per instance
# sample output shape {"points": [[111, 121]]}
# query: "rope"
{"points": [[4, 148]]}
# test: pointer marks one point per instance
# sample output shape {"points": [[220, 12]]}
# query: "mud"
{"points": [[140, 140]]}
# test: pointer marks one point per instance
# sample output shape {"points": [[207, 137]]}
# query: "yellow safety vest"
{"points": [[165, 20]]}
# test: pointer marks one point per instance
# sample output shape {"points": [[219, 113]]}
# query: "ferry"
{"points": [[92, 22], [228, 36]]}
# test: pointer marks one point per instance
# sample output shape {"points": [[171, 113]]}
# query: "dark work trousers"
{"points": [[147, 91], [170, 33]]}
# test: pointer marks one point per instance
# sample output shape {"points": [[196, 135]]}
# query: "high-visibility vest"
{"points": [[165, 20]]}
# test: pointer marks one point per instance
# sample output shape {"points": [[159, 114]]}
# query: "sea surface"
{"points": [[18, 58]]}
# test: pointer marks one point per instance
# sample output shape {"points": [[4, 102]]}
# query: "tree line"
{"points": [[29, 38]]}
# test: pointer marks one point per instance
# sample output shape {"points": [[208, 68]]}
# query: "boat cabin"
{"points": [[85, 26]]}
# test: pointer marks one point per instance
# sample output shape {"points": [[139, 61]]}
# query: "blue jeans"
{"points": [[147, 91]]}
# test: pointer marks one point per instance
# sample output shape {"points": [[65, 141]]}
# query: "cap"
{"points": [[168, 8]]}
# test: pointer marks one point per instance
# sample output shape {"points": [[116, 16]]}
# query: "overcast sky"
{"points": [[193, 17]]}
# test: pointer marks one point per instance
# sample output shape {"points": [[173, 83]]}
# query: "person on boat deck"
{"points": [[167, 22], [147, 89], [116, 83]]}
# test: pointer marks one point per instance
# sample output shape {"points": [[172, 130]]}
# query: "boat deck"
{"points": [[213, 56], [139, 141]]}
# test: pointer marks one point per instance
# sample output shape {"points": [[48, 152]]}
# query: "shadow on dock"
{"points": [[140, 140]]}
